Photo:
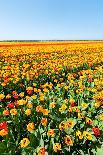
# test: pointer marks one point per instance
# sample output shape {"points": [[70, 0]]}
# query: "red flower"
{"points": [[5, 79], [91, 65], [10, 105], [96, 131], [15, 96], [30, 92], [14, 92], [72, 104], [75, 75], [3, 125], [90, 80]]}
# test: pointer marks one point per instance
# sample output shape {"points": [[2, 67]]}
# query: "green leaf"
{"points": [[41, 142], [92, 84]]}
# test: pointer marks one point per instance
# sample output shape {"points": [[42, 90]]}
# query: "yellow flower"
{"points": [[24, 142], [100, 117], [34, 97], [63, 125], [70, 109], [34, 84], [70, 123], [85, 133], [45, 90], [56, 147], [79, 134], [42, 98], [97, 104], [61, 79], [28, 112], [89, 121], [63, 108], [55, 80], [39, 90], [68, 140], [75, 109], [13, 111], [80, 115], [50, 86], [2, 96], [89, 136], [84, 105], [27, 98], [58, 85], [66, 87], [29, 105], [21, 94], [30, 127], [35, 90], [52, 105], [21, 102]]}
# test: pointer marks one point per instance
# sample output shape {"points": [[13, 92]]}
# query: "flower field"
{"points": [[51, 98]]}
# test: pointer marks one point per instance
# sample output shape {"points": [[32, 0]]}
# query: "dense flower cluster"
{"points": [[51, 98]]}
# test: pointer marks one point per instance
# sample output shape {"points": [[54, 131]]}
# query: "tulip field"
{"points": [[51, 98]]}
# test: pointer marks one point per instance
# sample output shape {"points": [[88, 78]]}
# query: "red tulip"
{"points": [[96, 131], [72, 104], [15, 96], [3, 125], [10, 105], [30, 92]]}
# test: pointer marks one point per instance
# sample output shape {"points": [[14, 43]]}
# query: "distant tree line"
{"points": [[43, 40]]}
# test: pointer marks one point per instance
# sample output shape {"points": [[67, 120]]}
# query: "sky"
{"points": [[51, 19]]}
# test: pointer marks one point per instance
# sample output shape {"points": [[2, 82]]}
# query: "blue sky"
{"points": [[51, 19]]}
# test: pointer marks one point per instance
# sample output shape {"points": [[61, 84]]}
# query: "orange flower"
{"points": [[4, 132], [3, 84], [45, 112], [29, 105], [30, 127], [44, 121], [39, 108], [72, 102], [6, 112], [51, 132], [29, 90], [41, 151], [68, 140]]}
